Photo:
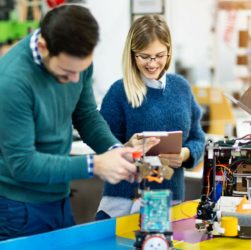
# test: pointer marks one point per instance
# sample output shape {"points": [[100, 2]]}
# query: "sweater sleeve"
{"points": [[87, 120], [196, 138], [17, 140], [112, 111]]}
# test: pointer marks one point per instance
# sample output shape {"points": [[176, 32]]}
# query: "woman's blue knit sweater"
{"points": [[169, 109]]}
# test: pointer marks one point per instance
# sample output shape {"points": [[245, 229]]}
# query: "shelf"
{"points": [[234, 5]]}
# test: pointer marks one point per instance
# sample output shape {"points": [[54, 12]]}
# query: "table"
{"points": [[118, 234]]}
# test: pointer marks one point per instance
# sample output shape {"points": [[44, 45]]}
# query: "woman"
{"points": [[149, 99]]}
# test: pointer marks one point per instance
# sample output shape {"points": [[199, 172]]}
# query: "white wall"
{"points": [[190, 23], [194, 44], [113, 17], [189, 20], [225, 50]]}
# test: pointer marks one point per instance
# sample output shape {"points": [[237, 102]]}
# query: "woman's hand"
{"points": [[137, 143], [175, 160]]}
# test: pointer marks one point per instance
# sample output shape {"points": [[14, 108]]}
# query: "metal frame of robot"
{"points": [[229, 153]]}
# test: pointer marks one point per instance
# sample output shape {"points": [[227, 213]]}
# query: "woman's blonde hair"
{"points": [[143, 31]]}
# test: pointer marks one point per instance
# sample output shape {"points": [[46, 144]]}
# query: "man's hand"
{"points": [[175, 160], [137, 143], [115, 165]]}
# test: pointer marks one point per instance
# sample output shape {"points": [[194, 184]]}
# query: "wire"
{"points": [[245, 137], [225, 167]]}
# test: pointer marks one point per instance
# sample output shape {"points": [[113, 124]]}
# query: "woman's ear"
{"points": [[42, 47]]}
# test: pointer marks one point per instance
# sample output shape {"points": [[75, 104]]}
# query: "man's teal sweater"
{"points": [[36, 117]]}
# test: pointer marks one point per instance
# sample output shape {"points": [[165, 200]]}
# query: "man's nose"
{"points": [[74, 77]]}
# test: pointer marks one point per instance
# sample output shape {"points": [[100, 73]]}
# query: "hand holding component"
{"points": [[114, 165]]}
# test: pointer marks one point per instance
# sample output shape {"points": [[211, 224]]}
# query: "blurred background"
{"points": [[211, 48]]}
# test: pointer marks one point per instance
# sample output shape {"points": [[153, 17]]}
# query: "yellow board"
{"points": [[224, 243], [184, 210], [184, 245], [125, 226]]}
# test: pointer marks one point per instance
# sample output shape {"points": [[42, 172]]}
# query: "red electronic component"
{"points": [[54, 3], [219, 176], [136, 155]]}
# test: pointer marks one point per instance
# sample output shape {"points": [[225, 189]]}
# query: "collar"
{"points": [[33, 45], [156, 84]]}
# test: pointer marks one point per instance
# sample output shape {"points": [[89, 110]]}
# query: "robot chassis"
{"points": [[226, 184]]}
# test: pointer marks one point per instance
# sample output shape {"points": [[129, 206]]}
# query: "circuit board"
{"points": [[155, 215]]}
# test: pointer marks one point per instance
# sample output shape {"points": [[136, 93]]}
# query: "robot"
{"points": [[224, 208], [155, 229], [226, 191]]}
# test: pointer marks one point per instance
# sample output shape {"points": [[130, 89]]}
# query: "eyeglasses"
{"points": [[148, 59]]}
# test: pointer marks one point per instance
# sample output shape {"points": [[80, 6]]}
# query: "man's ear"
{"points": [[42, 48]]}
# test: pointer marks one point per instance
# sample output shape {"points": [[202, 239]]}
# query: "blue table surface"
{"points": [[91, 236]]}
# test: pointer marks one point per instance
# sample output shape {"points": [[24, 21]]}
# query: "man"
{"points": [[45, 88]]}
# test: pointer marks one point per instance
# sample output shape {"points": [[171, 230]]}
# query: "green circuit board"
{"points": [[155, 212]]}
